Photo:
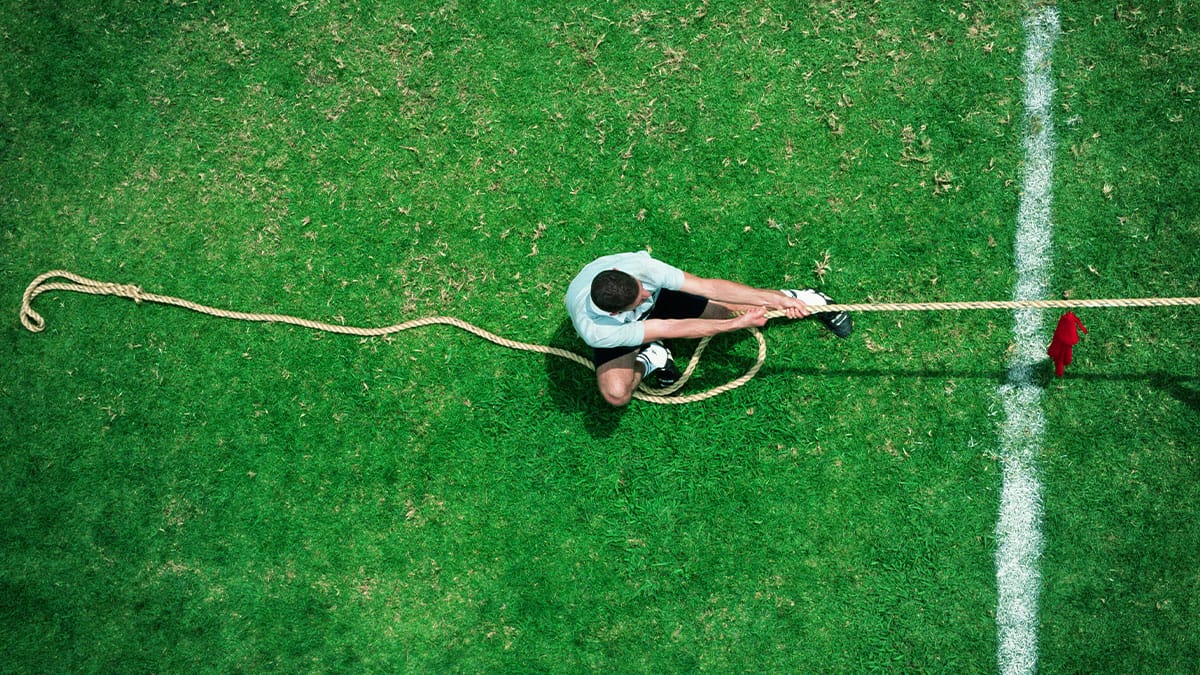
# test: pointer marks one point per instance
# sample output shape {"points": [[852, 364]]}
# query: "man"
{"points": [[624, 305]]}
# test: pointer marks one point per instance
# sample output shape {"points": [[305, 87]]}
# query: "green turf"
{"points": [[183, 493], [1123, 587]]}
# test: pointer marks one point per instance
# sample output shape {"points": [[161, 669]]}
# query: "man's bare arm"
{"points": [[662, 329], [733, 292]]}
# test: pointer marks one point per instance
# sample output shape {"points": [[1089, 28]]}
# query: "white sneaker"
{"points": [[809, 296], [837, 322], [656, 359], [653, 357]]}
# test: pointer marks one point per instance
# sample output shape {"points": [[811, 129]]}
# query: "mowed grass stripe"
{"points": [[1019, 529]]}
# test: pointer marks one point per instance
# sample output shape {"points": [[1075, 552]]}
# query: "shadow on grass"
{"points": [[1184, 389], [573, 387]]}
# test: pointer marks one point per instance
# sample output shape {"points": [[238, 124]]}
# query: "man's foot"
{"points": [[656, 360], [837, 322]]}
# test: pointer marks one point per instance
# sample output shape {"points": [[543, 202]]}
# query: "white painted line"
{"points": [[1019, 525]]}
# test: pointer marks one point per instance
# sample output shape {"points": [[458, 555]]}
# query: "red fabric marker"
{"points": [[1065, 337]]}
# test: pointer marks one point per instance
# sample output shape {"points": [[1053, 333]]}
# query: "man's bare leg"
{"points": [[618, 379], [723, 310]]}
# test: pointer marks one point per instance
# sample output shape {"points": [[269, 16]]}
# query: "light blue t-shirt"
{"points": [[599, 328]]}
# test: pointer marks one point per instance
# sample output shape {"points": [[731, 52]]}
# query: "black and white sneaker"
{"points": [[656, 360], [838, 323]]}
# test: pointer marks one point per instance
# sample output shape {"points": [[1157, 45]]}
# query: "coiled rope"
{"points": [[34, 322]]}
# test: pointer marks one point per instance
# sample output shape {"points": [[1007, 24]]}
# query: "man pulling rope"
{"points": [[625, 305]]}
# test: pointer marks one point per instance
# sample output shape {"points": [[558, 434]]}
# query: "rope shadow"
{"points": [[1185, 389]]}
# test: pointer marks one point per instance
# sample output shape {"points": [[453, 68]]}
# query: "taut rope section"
{"points": [[35, 323]]}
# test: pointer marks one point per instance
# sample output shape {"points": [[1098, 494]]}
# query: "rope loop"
{"points": [[32, 321], [35, 323]]}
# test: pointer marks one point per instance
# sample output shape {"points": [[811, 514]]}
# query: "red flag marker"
{"points": [[1065, 337]]}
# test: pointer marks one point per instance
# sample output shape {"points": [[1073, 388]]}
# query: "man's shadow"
{"points": [[573, 387]]}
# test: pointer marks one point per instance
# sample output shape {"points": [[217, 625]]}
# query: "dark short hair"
{"points": [[614, 290]]}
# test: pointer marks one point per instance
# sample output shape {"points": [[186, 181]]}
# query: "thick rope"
{"points": [[35, 323]]}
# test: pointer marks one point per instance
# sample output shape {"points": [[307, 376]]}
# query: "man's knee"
{"points": [[615, 394], [617, 379]]}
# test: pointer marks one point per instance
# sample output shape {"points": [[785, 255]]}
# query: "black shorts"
{"points": [[670, 305]]}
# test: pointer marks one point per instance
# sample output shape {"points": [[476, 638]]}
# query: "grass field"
{"points": [[183, 493]]}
